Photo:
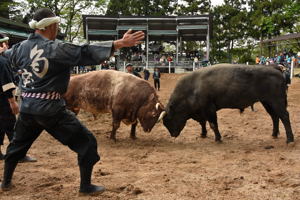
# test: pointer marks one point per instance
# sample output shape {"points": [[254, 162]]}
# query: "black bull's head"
{"points": [[174, 121]]}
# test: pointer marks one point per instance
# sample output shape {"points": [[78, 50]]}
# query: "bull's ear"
{"points": [[151, 97], [171, 106]]}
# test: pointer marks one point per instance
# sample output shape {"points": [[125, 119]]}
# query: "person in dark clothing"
{"points": [[146, 74], [46, 64], [130, 70], [8, 105], [156, 78]]}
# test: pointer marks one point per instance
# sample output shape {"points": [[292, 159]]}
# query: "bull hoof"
{"points": [[133, 137], [203, 136], [219, 141], [290, 140], [113, 139], [275, 136], [6, 186], [291, 144]]}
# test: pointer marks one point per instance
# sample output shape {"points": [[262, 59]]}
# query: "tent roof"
{"points": [[283, 37], [97, 27]]}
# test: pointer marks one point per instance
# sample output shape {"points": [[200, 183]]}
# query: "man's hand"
{"points": [[3, 48], [129, 39], [13, 105]]}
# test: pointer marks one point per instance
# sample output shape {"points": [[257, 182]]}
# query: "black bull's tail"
{"points": [[284, 85]]}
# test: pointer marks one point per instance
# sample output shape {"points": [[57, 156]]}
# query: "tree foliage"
{"points": [[8, 8], [194, 7], [238, 25], [141, 8], [70, 12]]}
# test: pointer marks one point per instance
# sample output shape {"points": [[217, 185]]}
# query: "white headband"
{"points": [[4, 39], [43, 23]]}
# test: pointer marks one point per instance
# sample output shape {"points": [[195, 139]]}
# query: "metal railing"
{"points": [[169, 67]]}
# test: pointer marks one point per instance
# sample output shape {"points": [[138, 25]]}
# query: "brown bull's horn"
{"points": [[157, 106], [162, 114]]}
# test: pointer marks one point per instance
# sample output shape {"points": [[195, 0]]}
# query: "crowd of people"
{"points": [[284, 58]]}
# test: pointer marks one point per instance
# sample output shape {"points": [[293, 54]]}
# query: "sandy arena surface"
{"points": [[249, 164]]}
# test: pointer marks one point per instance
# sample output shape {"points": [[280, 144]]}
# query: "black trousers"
{"points": [[156, 84], [63, 126], [7, 124]]}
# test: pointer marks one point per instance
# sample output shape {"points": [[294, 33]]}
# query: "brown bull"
{"points": [[128, 98]]}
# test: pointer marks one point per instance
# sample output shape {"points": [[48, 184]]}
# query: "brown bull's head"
{"points": [[151, 113]]}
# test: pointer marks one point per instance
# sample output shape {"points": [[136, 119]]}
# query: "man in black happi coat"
{"points": [[45, 65]]}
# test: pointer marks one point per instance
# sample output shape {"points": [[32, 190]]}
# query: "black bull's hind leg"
{"points": [[287, 125], [133, 131], [285, 119], [275, 119], [279, 108]]}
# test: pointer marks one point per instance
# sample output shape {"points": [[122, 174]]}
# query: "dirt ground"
{"points": [[249, 164]]}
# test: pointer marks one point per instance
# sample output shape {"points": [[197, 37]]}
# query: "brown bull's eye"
{"points": [[154, 114]]}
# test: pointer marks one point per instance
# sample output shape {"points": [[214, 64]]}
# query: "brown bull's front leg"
{"points": [[133, 131], [115, 126]]}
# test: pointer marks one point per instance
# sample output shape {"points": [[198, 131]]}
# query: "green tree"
{"points": [[194, 7], [141, 8], [229, 27], [4, 8], [269, 18], [119, 7], [8, 8], [70, 12]]}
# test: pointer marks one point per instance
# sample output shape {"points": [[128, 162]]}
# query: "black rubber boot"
{"points": [[9, 169], [85, 182]]}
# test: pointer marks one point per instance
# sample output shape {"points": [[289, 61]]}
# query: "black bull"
{"points": [[201, 94]]}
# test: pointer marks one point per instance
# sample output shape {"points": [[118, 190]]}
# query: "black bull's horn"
{"points": [[162, 114]]}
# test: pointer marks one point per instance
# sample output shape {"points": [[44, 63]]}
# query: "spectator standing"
{"points": [[146, 74], [257, 60], [130, 70], [156, 78]]}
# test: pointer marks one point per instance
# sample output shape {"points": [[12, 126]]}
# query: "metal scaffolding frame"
{"points": [[169, 28]]}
